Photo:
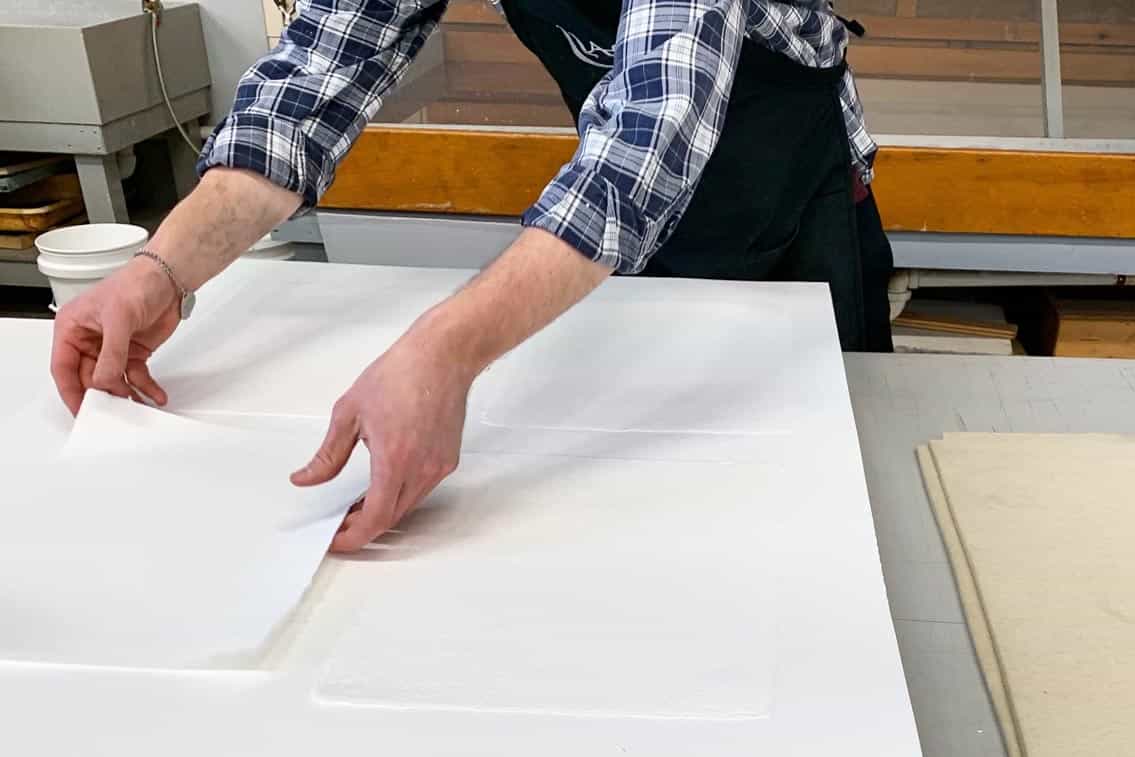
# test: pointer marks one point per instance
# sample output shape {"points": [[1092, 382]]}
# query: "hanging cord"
{"points": [[154, 8]]}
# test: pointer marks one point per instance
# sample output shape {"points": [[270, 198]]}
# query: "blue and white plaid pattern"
{"points": [[299, 109], [646, 130]]}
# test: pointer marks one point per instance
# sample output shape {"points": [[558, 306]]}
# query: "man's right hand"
{"points": [[104, 337]]}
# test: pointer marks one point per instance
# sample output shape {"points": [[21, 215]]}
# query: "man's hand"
{"points": [[104, 337], [408, 408]]}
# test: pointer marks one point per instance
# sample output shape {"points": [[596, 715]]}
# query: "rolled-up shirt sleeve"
{"points": [[299, 108], [646, 131]]}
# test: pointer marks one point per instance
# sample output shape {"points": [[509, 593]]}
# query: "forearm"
{"points": [[534, 281], [220, 219]]}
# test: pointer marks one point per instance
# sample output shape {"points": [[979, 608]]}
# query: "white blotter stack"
{"points": [[658, 542]]}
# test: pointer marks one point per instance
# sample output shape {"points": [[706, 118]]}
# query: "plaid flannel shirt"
{"points": [[646, 130]]}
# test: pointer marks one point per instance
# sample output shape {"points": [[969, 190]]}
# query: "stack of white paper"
{"points": [[658, 542], [153, 540]]}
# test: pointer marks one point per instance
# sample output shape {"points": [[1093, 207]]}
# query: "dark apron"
{"points": [[777, 199]]}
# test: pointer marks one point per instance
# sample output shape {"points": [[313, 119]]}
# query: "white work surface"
{"points": [[658, 541]]}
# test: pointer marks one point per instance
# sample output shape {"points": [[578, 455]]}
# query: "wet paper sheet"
{"points": [[157, 541]]}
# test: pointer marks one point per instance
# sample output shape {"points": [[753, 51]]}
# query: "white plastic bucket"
{"points": [[75, 257], [267, 248]]}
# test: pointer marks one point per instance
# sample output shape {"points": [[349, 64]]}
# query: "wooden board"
{"points": [[15, 181], [1091, 328], [439, 170], [498, 114], [16, 241], [906, 7], [39, 218], [17, 162], [902, 45], [46, 190], [926, 62], [1006, 192], [486, 46], [473, 12], [904, 24], [989, 30], [921, 57], [508, 82], [500, 173], [19, 247], [42, 205], [945, 325]]}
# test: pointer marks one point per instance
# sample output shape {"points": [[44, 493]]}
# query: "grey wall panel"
{"points": [[471, 242], [428, 241], [235, 36], [121, 58], [84, 69], [44, 76], [979, 252]]}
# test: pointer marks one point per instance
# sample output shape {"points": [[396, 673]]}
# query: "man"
{"points": [[718, 138]]}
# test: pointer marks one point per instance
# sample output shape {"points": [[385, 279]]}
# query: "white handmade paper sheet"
{"points": [[154, 540], [552, 589]]}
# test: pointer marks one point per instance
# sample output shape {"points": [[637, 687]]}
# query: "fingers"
{"points": [[110, 368], [103, 338], [140, 378], [333, 454], [73, 372], [378, 513], [87, 371], [65, 364]]}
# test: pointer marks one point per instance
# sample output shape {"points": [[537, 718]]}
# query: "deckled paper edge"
{"points": [[980, 633]]}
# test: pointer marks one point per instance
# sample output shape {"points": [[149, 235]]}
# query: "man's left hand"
{"points": [[408, 408]]}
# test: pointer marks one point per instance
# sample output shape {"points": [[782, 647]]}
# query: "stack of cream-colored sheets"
{"points": [[1041, 535]]}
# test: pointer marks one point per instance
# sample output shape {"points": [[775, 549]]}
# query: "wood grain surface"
{"points": [[500, 173]]}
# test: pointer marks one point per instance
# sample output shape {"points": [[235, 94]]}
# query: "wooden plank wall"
{"points": [[494, 79]]}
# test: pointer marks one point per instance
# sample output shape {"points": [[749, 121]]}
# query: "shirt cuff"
{"points": [[272, 147], [588, 212]]}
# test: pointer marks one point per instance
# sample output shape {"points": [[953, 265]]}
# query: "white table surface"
{"points": [[666, 445]]}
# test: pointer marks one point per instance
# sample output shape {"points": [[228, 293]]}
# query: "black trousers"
{"points": [[776, 200]]}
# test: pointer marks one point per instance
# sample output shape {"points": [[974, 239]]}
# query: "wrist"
{"points": [[447, 340], [148, 279]]}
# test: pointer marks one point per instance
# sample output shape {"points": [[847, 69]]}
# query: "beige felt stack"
{"points": [[1040, 530]]}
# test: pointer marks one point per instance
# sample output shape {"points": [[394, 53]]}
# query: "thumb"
{"points": [[110, 368], [331, 456]]}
